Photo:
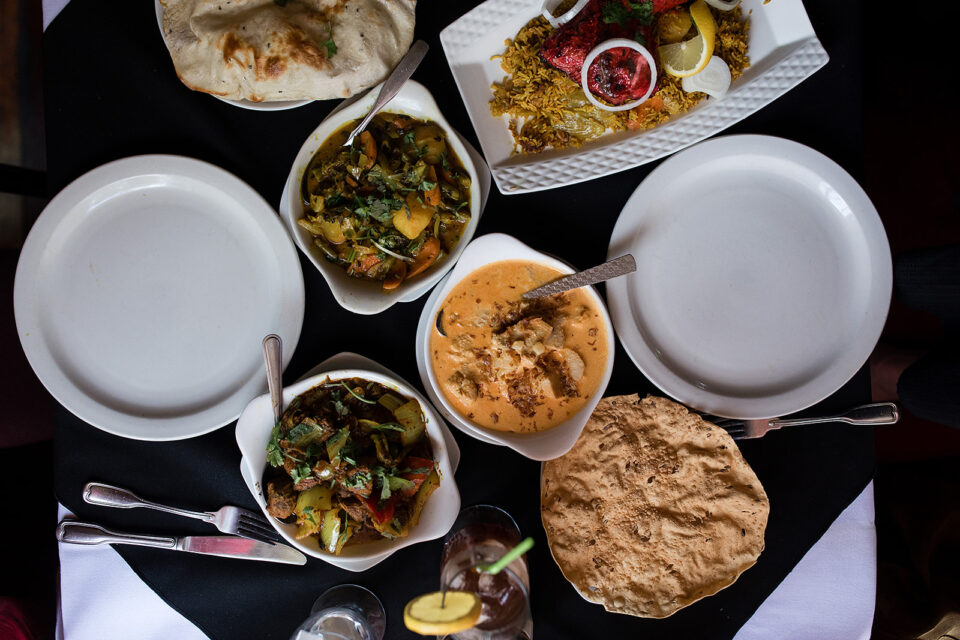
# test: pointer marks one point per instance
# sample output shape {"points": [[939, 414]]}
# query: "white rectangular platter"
{"points": [[783, 51]]}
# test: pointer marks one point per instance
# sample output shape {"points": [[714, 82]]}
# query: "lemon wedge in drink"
{"points": [[436, 614], [682, 59]]}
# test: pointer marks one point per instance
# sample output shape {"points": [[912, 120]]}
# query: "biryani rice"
{"points": [[547, 110]]}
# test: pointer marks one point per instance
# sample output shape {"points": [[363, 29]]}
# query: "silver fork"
{"points": [[868, 414], [233, 520]]}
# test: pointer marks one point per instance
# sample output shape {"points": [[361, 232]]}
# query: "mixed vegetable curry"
{"points": [[391, 204], [350, 462]]}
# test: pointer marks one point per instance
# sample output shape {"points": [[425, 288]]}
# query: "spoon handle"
{"points": [[611, 269], [400, 74], [868, 414], [273, 358]]}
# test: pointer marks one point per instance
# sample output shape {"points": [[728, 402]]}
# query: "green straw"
{"points": [[510, 556]]}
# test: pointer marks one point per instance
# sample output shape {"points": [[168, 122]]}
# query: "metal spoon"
{"points": [[611, 269], [273, 358], [400, 74]]}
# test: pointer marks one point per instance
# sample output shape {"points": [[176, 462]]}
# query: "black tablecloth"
{"points": [[111, 92]]}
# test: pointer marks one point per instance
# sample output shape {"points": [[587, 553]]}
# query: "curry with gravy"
{"points": [[510, 364]]}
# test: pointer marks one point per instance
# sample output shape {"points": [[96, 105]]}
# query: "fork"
{"points": [[233, 520], [868, 414]]}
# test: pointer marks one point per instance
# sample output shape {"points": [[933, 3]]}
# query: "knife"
{"points": [[617, 267], [74, 532]]}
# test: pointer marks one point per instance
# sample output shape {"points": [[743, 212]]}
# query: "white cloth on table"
{"points": [[50, 10], [101, 598], [829, 595]]}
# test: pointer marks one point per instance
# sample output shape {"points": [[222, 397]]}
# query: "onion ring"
{"points": [[616, 43], [724, 5], [565, 17]]}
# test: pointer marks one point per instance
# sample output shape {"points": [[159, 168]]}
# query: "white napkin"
{"points": [[101, 598], [829, 595], [50, 10]]}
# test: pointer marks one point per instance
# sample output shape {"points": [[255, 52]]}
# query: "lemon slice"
{"points": [[686, 58], [425, 615]]}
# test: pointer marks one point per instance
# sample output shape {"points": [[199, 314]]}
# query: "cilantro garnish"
{"points": [[274, 452], [389, 426], [337, 404], [616, 12], [355, 395], [380, 209], [301, 472]]}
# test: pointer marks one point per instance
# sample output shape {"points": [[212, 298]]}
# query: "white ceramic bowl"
{"points": [[543, 445], [439, 514], [354, 294]]}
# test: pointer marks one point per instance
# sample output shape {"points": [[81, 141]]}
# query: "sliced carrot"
{"points": [[427, 256], [397, 273], [432, 197], [654, 103], [350, 181], [369, 150], [363, 264], [402, 122], [445, 176]]}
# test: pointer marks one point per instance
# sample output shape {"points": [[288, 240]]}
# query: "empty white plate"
{"points": [[763, 277], [143, 293]]}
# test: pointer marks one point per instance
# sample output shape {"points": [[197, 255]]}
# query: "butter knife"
{"points": [[611, 269], [74, 532]]}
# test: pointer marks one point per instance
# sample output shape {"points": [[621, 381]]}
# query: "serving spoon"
{"points": [[400, 74], [273, 359], [601, 273], [611, 269]]}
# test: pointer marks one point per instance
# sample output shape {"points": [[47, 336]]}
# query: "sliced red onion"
{"points": [[616, 43], [724, 5], [391, 253], [563, 18]]}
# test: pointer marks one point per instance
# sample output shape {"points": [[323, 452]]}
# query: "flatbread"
{"points": [[652, 509], [262, 50]]}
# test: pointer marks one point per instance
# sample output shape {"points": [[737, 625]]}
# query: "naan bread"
{"points": [[259, 50], [652, 509]]}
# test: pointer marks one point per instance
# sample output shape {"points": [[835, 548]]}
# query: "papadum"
{"points": [[653, 508]]}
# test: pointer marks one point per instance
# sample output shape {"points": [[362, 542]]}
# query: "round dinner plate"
{"points": [[144, 290], [763, 277]]}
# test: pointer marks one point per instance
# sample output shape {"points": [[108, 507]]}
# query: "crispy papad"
{"points": [[653, 508]]}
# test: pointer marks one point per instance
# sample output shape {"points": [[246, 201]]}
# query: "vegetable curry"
{"points": [[390, 205], [349, 460]]}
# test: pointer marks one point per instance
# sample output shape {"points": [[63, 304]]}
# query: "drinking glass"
{"points": [[482, 535], [344, 612]]}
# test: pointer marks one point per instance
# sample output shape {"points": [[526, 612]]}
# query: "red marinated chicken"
{"points": [[618, 75]]}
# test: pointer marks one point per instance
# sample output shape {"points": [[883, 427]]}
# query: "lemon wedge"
{"points": [[686, 58], [433, 614]]}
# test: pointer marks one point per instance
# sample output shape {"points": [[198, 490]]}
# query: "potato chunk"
{"points": [[411, 222]]}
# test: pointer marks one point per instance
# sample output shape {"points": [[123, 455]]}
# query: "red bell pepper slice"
{"points": [[416, 478], [381, 512]]}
